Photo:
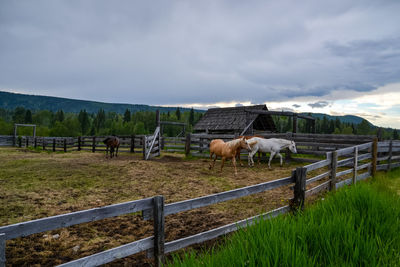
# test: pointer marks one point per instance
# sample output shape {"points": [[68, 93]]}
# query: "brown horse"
{"points": [[226, 150], [247, 137], [112, 142]]}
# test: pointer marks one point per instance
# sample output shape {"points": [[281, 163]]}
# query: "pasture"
{"points": [[36, 184]]}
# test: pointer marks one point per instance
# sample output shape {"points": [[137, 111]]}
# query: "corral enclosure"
{"points": [[174, 177]]}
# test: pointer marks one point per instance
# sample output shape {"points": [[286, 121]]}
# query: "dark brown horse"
{"points": [[112, 142]]}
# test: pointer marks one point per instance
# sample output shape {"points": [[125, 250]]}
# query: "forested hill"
{"points": [[10, 101], [346, 118]]}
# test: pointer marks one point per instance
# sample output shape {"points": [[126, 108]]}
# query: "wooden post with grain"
{"points": [[94, 144], [287, 151], [54, 144], [332, 186], [144, 145], [300, 176], [187, 144], [374, 156], [159, 230], [79, 143], [390, 155], [294, 123], [132, 143]]}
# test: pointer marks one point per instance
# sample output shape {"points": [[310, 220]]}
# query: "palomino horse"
{"points": [[272, 145], [247, 137], [112, 142], [227, 150]]}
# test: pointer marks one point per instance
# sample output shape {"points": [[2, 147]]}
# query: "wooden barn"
{"points": [[235, 120]]}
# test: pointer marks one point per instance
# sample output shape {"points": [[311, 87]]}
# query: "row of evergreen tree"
{"points": [[144, 122], [336, 126], [101, 123]]}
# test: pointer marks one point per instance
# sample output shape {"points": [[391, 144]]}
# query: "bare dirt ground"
{"points": [[39, 184]]}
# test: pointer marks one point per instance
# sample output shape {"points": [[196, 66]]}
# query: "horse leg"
{"points": [[222, 163], [259, 157], [116, 152], [250, 157], [234, 165], [279, 154], [270, 159], [106, 151], [238, 157], [212, 162]]}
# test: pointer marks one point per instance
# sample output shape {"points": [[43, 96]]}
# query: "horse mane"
{"points": [[233, 143], [251, 142], [284, 141]]}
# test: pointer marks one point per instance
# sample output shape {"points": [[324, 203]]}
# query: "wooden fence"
{"points": [[341, 167], [133, 143]]}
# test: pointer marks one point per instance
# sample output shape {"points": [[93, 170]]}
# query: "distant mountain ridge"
{"points": [[37, 102], [346, 118]]}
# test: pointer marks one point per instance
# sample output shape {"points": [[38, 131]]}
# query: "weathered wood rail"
{"points": [[359, 162], [141, 144]]}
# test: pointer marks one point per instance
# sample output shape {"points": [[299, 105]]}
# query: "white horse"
{"points": [[272, 145]]}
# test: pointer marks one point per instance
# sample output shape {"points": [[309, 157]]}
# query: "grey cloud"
{"points": [[296, 105], [319, 104], [197, 52]]}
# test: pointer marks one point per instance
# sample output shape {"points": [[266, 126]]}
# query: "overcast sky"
{"points": [[336, 57]]}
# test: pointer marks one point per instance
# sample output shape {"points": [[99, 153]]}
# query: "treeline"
{"points": [[328, 126], [61, 123]]}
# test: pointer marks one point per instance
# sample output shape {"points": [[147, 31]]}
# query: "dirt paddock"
{"points": [[37, 184]]}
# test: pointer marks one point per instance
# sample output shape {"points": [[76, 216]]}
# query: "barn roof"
{"points": [[235, 119]]}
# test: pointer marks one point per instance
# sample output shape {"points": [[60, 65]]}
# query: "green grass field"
{"points": [[356, 226]]}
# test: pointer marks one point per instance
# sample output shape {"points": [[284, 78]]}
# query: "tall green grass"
{"points": [[356, 226]]}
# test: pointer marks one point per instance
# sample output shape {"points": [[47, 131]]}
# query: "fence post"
{"points": [[162, 141], [187, 144], [35, 144], [44, 143], [65, 145], [300, 175], [27, 142], [132, 143], [159, 230], [54, 144], [390, 155], [332, 186], [144, 145], [79, 143], [19, 141], [288, 153], [354, 178], [2, 250], [374, 156], [294, 124], [94, 144]]}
